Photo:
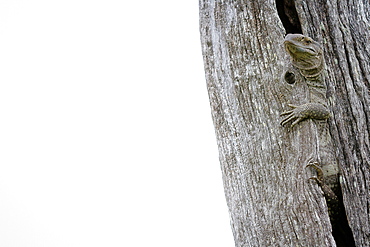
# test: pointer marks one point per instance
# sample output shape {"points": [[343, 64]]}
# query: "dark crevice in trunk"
{"points": [[342, 233], [288, 16]]}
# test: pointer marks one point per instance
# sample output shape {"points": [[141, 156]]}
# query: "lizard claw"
{"points": [[298, 120], [289, 112], [328, 192], [302, 112], [320, 176], [318, 169], [291, 115]]}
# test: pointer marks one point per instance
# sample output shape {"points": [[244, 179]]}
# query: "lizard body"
{"points": [[307, 58]]}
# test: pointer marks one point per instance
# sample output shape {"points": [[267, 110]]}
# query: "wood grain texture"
{"points": [[345, 32], [271, 201]]}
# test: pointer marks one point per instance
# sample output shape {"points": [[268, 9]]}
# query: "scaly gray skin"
{"points": [[307, 56]]}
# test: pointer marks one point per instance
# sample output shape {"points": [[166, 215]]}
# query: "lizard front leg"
{"points": [[305, 111]]}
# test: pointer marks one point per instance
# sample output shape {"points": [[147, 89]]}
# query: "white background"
{"points": [[106, 137]]}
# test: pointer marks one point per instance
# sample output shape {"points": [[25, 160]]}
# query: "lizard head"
{"points": [[306, 53]]}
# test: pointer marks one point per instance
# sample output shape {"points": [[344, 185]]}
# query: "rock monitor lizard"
{"points": [[308, 66]]}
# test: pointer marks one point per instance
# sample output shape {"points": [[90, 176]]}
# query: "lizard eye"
{"points": [[308, 41]]}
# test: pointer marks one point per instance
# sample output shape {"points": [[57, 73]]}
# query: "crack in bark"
{"points": [[288, 16]]}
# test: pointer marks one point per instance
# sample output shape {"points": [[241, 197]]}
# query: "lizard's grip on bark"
{"points": [[305, 111], [330, 196]]}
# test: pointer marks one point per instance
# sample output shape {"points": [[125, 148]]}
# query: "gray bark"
{"points": [[271, 200]]}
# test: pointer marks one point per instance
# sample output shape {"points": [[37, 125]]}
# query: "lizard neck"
{"points": [[311, 73]]}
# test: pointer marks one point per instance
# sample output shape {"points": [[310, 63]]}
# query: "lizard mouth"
{"points": [[294, 49]]}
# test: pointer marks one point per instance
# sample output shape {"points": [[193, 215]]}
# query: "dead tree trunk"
{"points": [[271, 200]]}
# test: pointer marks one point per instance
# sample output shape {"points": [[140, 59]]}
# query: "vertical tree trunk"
{"points": [[271, 200]]}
